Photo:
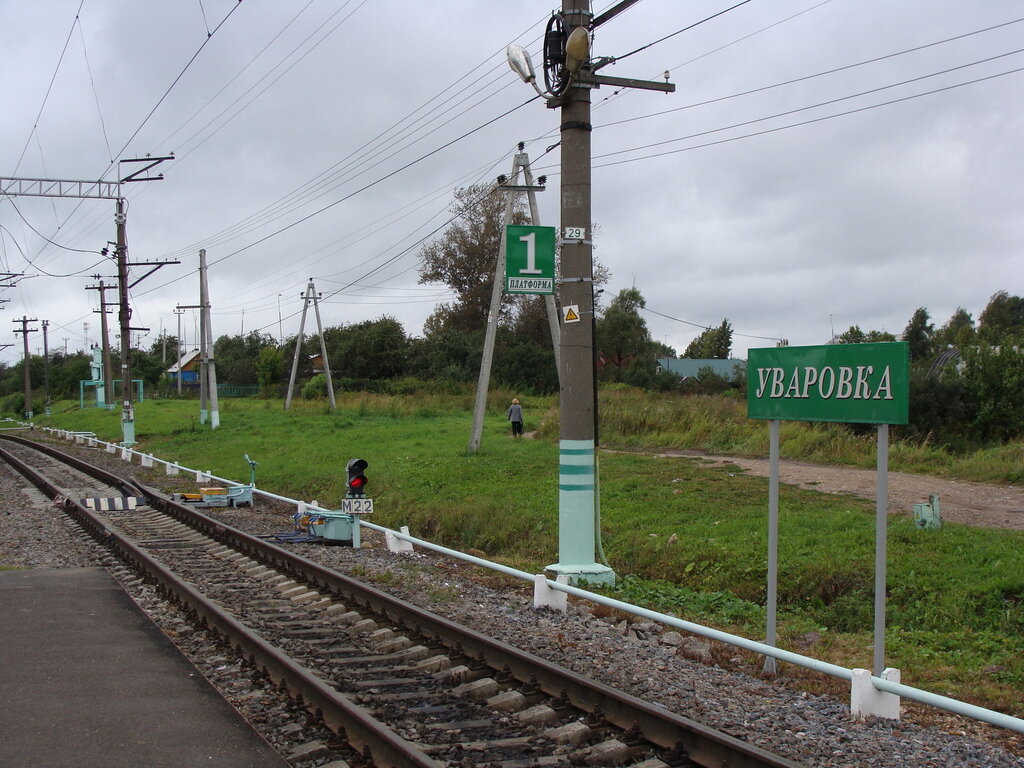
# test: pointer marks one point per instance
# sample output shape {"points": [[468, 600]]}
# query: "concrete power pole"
{"points": [[179, 313], [46, 367], [323, 343], [124, 317], [310, 296], [520, 162], [25, 331], [209, 362], [106, 395], [298, 348], [570, 74]]}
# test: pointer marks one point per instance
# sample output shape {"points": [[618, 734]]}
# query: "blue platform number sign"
{"points": [[529, 259]]}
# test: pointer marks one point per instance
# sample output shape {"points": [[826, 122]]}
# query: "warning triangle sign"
{"points": [[571, 314]]}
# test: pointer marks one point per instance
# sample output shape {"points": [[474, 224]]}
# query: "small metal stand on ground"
{"points": [[339, 526]]}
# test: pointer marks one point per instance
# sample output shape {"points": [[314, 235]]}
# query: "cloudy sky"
{"points": [[821, 164]]}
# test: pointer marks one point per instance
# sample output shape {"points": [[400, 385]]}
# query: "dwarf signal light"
{"points": [[356, 479]]}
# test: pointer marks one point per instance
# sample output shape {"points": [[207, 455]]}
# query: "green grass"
{"points": [[689, 539]]}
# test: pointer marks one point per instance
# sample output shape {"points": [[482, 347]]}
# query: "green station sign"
{"points": [[529, 259], [857, 383]]}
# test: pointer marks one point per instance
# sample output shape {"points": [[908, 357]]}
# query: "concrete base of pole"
{"points": [[581, 573], [868, 701]]}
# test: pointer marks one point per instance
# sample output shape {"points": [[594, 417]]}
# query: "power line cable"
{"points": [[840, 99], [181, 74], [95, 95], [708, 327], [679, 31], [826, 72], [53, 78]]}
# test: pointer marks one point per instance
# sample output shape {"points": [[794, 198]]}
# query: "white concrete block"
{"points": [[867, 701], [396, 544], [147, 460], [172, 469], [126, 455], [546, 597]]}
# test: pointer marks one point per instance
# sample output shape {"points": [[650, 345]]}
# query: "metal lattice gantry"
{"points": [[22, 187]]}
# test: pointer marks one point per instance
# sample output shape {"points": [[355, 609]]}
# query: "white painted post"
{"points": [[867, 701], [111, 448], [126, 455], [546, 597], [147, 460], [396, 544], [172, 469]]}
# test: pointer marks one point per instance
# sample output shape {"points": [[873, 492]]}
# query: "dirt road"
{"points": [[988, 506]]}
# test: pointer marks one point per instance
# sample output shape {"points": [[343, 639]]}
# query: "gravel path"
{"points": [[960, 501], [639, 658]]}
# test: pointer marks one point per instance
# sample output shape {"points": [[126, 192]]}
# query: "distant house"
{"points": [[189, 368], [687, 368]]}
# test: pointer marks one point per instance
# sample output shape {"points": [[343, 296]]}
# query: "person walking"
{"points": [[515, 415]]}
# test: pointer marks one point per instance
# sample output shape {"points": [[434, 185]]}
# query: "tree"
{"points": [[994, 379], [270, 367], [1003, 316], [238, 357], [463, 258], [372, 349], [622, 335], [854, 335], [957, 332], [712, 344], [918, 334]]}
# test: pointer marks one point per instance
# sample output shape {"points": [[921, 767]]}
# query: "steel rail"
{"points": [[702, 744], [361, 730]]}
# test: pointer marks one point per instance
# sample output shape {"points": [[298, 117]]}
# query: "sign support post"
{"points": [[881, 533], [770, 668], [855, 383]]}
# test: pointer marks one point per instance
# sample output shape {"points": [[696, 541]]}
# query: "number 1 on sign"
{"points": [[531, 254]]}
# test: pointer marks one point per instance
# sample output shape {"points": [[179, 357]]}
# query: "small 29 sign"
{"points": [[575, 233]]}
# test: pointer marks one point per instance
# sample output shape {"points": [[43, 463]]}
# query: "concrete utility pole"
{"points": [[209, 363], [179, 312], [105, 397], [298, 349], [46, 367], [577, 443], [104, 190], [25, 331], [311, 291], [310, 296], [124, 317], [570, 74], [521, 161]]}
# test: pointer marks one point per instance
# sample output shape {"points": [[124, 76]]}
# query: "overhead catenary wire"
{"points": [[704, 327], [49, 88], [811, 121]]}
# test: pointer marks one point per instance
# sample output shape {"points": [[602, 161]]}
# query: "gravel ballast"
{"points": [[642, 658]]}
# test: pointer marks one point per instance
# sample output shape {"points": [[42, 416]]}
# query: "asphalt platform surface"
{"points": [[87, 680]]}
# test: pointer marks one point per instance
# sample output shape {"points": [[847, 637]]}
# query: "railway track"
{"points": [[405, 687]]}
